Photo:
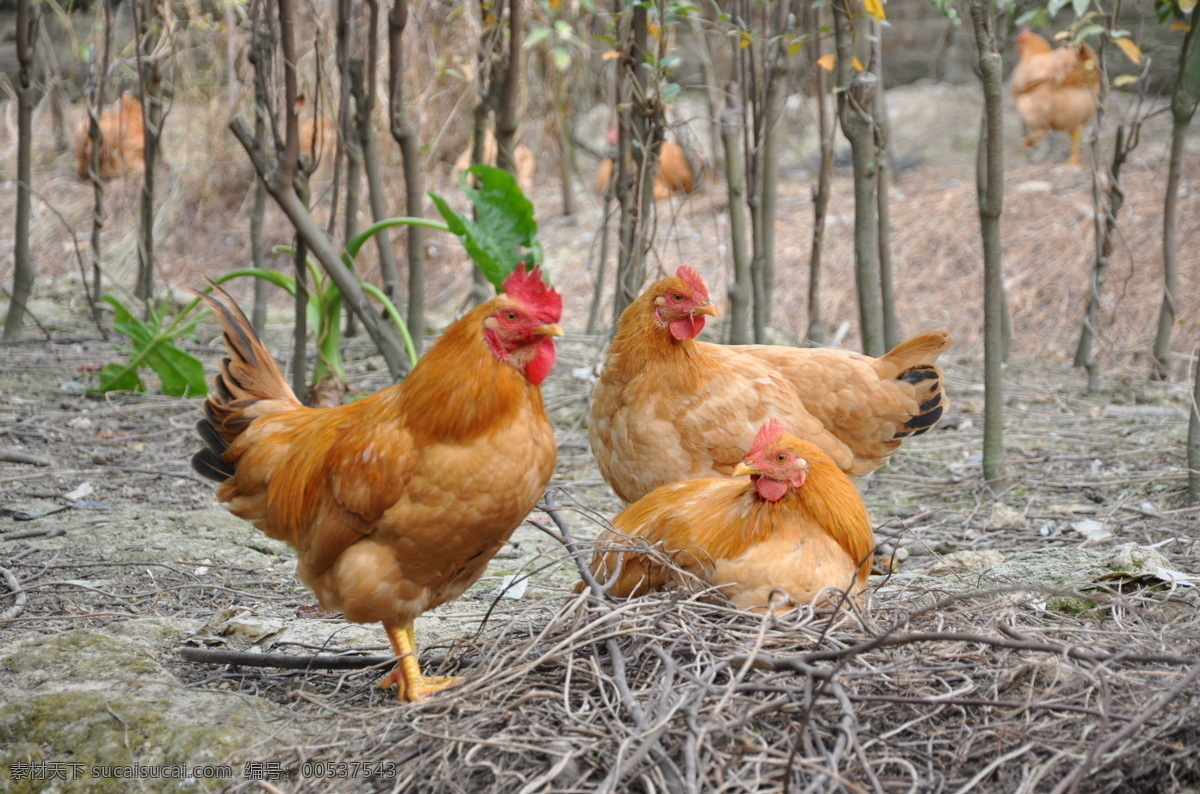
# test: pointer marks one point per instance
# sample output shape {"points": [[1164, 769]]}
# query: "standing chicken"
{"points": [[394, 503], [1054, 89], [662, 390], [797, 527]]}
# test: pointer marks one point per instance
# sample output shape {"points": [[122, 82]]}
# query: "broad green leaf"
{"points": [[181, 373], [117, 377], [1054, 6], [1080, 6], [537, 34]]}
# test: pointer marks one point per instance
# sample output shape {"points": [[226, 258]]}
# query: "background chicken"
{"points": [[796, 526], [394, 503], [122, 140], [524, 163], [668, 408], [675, 172], [1054, 89]]}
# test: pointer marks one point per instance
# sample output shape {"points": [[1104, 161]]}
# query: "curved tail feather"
{"points": [[248, 385]]}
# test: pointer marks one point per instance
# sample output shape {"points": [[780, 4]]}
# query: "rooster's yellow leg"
{"points": [[410, 684]]}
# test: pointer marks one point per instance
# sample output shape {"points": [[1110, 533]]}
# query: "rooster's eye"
{"points": [[781, 457], [677, 297], [510, 316]]}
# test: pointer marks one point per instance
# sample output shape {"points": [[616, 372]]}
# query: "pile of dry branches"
{"points": [[679, 693]]}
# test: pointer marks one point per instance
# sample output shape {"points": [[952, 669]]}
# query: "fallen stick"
{"points": [[15, 587], [15, 456], [320, 661]]}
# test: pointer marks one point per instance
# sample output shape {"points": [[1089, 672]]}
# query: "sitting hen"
{"points": [[796, 528]]}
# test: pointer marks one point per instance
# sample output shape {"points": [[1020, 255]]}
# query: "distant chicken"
{"points": [[675, 175], [524, 163], [394, 503], [122, 140], [1054, 89], [796, 528], [668, 408]]}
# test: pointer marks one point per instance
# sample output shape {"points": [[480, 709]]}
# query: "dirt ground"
{"points": [[124, 560]]}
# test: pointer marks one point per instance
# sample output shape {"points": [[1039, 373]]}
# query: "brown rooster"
{"points": [[1054, 89], [394, 503], [661, 389], [796, 527]]}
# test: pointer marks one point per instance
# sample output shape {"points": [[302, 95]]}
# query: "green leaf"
{"points": [[537, 34], [504, 231], [181, 373], [561, 58], [1080, 6], [117, 377], [1054, 6]]}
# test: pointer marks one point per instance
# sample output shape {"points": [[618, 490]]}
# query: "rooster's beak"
{"points": [[548, 330], [743, 469], [706, 308]]}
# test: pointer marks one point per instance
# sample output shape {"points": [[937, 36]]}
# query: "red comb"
{"points": [[768, 434], [693, 280], [529, 289]]}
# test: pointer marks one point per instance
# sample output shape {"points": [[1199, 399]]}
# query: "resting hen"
{"points": [[1054, 89], [675, 172], [394, 503], [122, 140], [662, 390], [796, 527]]}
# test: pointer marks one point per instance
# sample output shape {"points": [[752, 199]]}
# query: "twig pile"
{"points": [[678, 693]]}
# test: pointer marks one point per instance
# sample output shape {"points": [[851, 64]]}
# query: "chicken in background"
{"points": [[796, 527], [675, 172], [702, 403], [1054, 89], [318, 140], [523, 161], [122, 140], [394, 503]]}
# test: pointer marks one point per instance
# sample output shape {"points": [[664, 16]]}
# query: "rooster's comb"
{"points": [[694, 281], [529, 289], [768, 434]]}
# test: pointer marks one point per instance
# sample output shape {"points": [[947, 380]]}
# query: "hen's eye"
{"points": [[781, 457], [510, 316], [677, 297]]}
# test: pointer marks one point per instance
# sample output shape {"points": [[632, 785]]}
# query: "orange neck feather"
{"points": [[642, 343], [459, 390]]}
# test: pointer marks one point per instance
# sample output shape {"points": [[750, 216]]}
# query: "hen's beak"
{"points": [[706, 308], [548, 330], [743, 469]]}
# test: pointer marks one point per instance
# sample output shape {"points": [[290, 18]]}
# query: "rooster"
{"points": [[796, 527], [1054, 89], [394, 503], [122, 140], [661, 389]]}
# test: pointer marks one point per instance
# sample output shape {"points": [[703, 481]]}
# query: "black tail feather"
{"points": [[928, 380]]}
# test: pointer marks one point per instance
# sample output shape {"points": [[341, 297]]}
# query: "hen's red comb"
{"points": [[529, 289], [693, 280], [768, 435]]}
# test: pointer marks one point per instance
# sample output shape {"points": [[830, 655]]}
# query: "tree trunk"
{"points": [[260, 58], [95, 108], [641, 122], [775, 78], [816, 328], [991, 205], [1193, 443], [1183, 107], [404, 135], [300, 321], [741, 287], [150, 93], [854, 105], [506, 107], [363, 87], [23, 269], [883, 165]]}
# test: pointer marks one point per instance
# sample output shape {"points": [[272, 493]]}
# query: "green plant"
{"points": [[153, 346]]}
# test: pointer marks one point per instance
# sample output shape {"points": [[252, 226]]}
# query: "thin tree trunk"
{"points": [[23, 269], [816, 328], [404, 135], [506, 107], [741, 287], [260, 58], [854, 105], [95, 108], [300, 321], [602, 270], [363, 86], [991, 205], [768, 186], [981, 180], [883, 163], [150, 79], [347, 142], [354, 159], [1193, 442], [1183, 106]]}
